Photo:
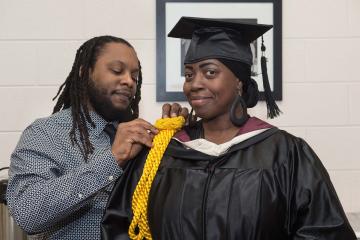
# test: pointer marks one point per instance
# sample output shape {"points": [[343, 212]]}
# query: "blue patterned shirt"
{"points": [[52, 190]]}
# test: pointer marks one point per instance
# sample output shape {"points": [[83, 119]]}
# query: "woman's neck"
{"points": [[219, 130]]}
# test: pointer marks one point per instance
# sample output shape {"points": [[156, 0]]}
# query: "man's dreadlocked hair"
{"points": [[74, 91]]}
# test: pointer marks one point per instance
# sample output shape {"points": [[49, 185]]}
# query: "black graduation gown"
{"points": [[271, 186]]}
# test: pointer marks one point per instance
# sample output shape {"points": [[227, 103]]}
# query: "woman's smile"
{"points": [[198, 101]]}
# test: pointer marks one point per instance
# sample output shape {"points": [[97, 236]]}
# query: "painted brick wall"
{"points": [[321, 49]]}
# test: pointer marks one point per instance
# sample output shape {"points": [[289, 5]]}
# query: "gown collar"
{"points": [[191, 138]]}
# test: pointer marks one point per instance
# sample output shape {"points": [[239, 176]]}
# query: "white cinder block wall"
{"points": [[321, 79]]}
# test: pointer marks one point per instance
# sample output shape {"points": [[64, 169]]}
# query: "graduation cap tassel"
{"points": [[272, 108]]}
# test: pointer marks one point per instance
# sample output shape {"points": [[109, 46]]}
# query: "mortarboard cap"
{"points": [[231, 37]]}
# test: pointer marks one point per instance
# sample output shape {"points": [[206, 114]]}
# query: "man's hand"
{"points": [[174, 110], [130, 138]]}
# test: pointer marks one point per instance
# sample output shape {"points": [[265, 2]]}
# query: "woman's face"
{"points": [[210, 88]]}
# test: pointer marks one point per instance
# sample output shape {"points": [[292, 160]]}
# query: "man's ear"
{"points": [[81, 71]]}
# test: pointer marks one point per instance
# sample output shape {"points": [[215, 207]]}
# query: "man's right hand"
{"points": [[130, 138]]}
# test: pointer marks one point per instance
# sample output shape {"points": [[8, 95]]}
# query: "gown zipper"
{"points": [[210, 168]]}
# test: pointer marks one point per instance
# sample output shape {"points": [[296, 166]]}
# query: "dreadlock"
{"points": [[74, 91]]}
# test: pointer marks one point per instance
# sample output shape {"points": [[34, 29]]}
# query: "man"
{"points": [[64, 166]]}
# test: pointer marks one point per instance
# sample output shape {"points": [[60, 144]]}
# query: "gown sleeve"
{"points": [[315, 209], [118, 214]]}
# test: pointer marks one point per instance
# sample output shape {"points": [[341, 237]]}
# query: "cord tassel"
{"points": [[272, 108], [139, 228]]}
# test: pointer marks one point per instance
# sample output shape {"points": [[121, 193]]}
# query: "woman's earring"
{"points": [[244, 116]]}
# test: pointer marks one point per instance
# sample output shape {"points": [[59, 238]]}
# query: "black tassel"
{"points": [[272, 108]]}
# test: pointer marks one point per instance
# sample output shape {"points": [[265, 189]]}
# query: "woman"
{"points": [[230, 176]]}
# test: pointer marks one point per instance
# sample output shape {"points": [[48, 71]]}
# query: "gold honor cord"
{"points": [[139, 227]]}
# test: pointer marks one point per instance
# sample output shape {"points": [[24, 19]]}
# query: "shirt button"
{"points": [[111, 178], [80, 195]]}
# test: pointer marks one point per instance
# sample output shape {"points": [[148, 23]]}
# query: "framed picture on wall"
{"points": [[170, 52]]}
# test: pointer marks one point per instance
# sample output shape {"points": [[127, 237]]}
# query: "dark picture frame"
{"points": [[170, 51]]}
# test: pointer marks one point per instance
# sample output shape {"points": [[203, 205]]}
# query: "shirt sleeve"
{"points": [[315, 209], [41, 192]]}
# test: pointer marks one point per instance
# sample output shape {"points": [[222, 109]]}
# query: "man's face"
{"points": [[113, 80]]}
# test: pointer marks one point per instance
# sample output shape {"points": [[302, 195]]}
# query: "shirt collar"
{"points": [[100, 123]]}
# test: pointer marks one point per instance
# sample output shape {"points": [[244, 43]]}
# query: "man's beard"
{"points": [[102, 105]]}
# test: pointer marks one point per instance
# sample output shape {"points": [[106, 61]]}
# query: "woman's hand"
{"points": [[174, 110]]}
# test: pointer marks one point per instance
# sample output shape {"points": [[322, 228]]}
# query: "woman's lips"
{"points": [[199, 101]]}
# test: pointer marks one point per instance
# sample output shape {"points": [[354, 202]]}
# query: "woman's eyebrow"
{"points": [[206, 64]]}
